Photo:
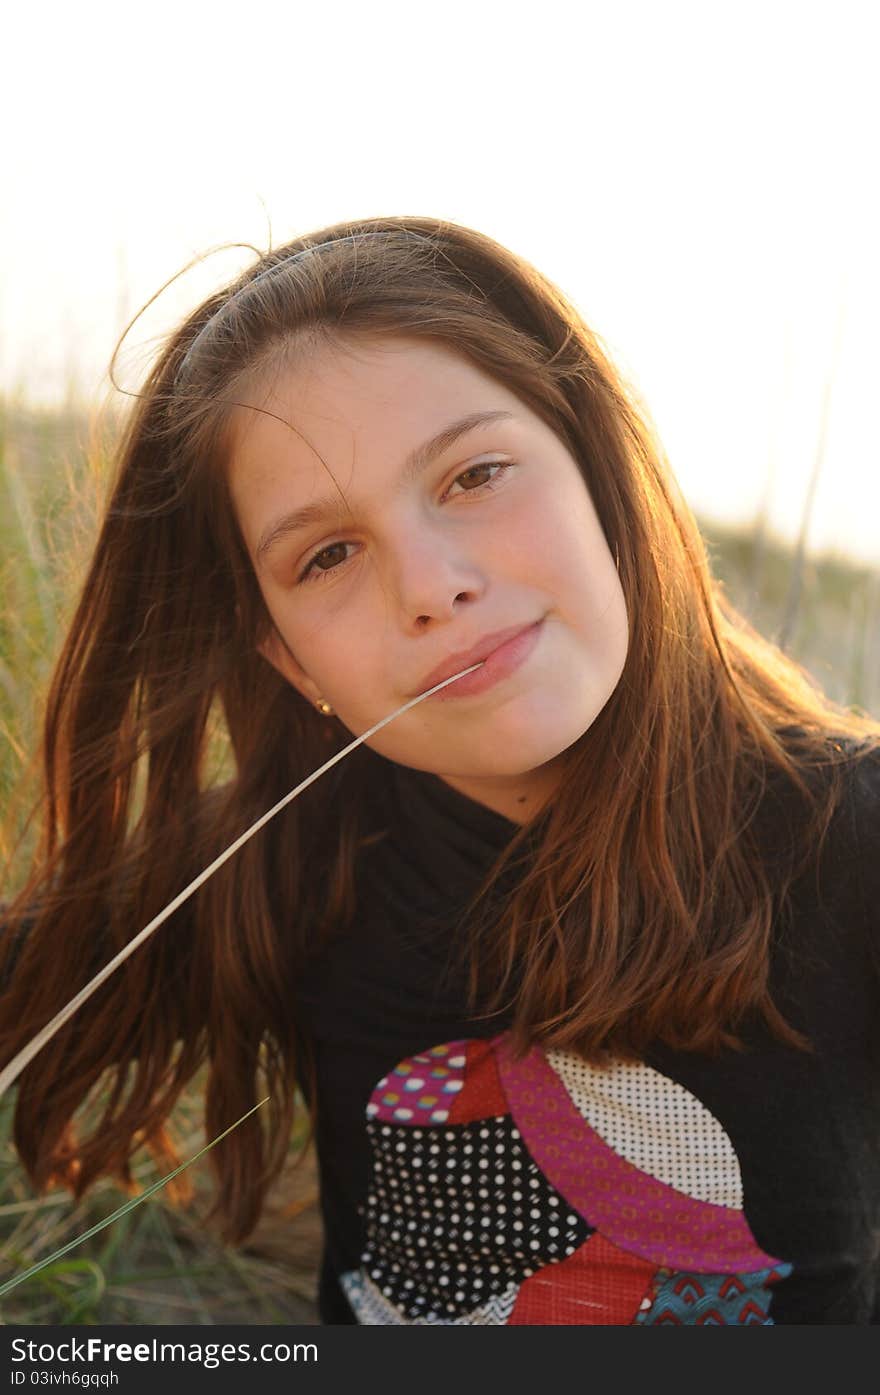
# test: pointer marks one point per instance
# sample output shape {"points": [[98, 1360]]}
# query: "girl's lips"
{"points": [[499, 664]]}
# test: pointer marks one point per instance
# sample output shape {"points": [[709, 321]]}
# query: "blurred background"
{"points": [[695, 177]]}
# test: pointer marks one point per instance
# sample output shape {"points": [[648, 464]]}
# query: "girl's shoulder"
{"points": [[852, 760], [859, 817], [846, 873], [864, 761], [837, 862]]}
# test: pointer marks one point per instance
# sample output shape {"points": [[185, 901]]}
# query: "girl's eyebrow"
{"points": [[417, 461]]}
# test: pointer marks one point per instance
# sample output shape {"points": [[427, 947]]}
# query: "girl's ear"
{"points": [[276, 652]]}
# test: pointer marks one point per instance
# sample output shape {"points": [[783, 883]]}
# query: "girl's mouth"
{"points": [[502, 662]]}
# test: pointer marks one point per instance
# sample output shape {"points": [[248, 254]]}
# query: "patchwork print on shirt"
{"points": [[551, 1191]]}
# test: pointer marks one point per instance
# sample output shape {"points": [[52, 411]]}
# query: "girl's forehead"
{"points": [[356, 389]]}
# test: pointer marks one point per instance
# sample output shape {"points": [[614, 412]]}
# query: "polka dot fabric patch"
{"points": [[422, 1089], [656, 1124], [545, 1192], [455, 1215]]}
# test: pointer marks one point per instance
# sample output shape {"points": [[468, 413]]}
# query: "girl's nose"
{"points": [[432, 577]]}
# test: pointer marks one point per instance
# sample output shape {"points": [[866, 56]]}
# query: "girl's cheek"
{"points": [[529, 535]]}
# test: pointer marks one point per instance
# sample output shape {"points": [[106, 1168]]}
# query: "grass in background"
{"points": [[159, 1264], [836, 631]]}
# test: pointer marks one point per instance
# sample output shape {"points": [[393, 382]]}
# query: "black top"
{"points": [[459, 1186]]}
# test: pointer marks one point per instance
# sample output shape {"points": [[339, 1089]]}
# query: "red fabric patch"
{"points": [[599, 1285], [482, 1096]]}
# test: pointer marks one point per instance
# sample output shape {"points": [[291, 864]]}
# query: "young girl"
{"points": [[575, 961]]}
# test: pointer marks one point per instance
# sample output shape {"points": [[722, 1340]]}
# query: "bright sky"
{"points": [[696, 177]]}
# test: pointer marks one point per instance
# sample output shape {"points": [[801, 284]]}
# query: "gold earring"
{"points": [[323, 706], [616, 557]]}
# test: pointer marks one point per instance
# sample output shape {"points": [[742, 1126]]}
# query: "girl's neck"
{"points": [[516, 797]]}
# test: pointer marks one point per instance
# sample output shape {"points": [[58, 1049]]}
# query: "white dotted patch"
{"points": [[656, 1124]]}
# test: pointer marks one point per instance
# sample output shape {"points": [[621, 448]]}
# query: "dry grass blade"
{"points": [[11, 1072]]}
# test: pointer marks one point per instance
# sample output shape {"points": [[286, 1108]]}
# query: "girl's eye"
{"points": [[475, 475], [314, 568], [477, 471]]}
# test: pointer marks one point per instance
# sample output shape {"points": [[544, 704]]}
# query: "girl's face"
{"points": [[447, 535]]}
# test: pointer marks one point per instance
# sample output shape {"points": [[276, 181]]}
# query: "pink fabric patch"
{"points": [[421, 1090], [630, 1208]]}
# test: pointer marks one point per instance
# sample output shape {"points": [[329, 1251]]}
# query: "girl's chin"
{"points": [[509, 768]]}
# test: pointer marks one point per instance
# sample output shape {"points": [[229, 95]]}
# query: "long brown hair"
{"points": [[645, 904]]}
